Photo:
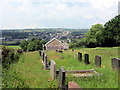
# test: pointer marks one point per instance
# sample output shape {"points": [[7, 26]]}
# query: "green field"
{"points": [[29, 72], [15, 47]]}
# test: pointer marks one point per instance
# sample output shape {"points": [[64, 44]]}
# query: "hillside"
{"points": [[29, 72]]}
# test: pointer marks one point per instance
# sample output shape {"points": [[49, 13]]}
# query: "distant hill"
{"points": [[45, 29]]}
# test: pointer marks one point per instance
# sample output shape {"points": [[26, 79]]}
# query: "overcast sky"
{"points": [[56, 13]]}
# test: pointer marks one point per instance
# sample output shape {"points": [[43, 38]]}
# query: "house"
{"points": [[56, 44]]}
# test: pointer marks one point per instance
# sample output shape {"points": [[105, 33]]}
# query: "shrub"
{"points": [[8, 57]]}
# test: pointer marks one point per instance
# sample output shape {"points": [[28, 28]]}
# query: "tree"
{"points": [[111, 32], [92, 35], [23, 45], [31, 46]]}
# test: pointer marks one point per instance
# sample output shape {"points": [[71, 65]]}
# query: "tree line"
{"points": [[107, 35], [32, 45]]}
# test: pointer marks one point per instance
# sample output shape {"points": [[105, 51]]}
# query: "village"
{"points": [[13, 37]]}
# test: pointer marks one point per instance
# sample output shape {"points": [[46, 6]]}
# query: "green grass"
{"points": [[30, 71], [68, 60], [15, 47]]}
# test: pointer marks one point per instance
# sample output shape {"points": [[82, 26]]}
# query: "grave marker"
{"points": [[98, 61], [61, 81], [53, 70], [45, 62], [40, 52], [43, 55], [79, 56], [86, 59], [116, 63]]}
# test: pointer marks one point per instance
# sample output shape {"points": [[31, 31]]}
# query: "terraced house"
{"points": [[56, 44]]}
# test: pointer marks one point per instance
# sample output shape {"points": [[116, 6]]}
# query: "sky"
{"points": [[16, 14]]}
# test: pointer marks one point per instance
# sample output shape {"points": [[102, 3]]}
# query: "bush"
{"points": [[72, 45], [19, 51], [8, 57]]}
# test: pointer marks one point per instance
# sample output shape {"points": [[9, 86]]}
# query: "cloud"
{"points": [[38, 13]]}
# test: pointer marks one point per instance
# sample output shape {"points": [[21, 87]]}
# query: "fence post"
{"points": [[98, 61], [53, 69], [61, 77], [86, 59], [79, 56], [116, 63]]}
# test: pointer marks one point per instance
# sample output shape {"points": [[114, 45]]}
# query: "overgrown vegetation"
{"points": [[28, 73], [9, 56]]}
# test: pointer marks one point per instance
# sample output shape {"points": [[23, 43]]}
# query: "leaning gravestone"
{"points": [[116, 63], [79, 56], [86, 59], [97, 61], [61, 77], [53, 70]]}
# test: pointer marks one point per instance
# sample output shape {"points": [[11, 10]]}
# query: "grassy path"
{"points": [[30, 70]]}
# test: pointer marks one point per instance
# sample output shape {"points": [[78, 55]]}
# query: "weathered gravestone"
{"points": [[116, 63], [43, 55], [79, 56], [97, 61], [53, 70], [86, 59], [61, 77], [45, 62]]}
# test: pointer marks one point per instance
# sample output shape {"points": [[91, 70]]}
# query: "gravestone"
{"points": [[45, 62], [97, 61], [116, 63], [40, 52], [86, 59], [61, 77], [43, 55], [79, 56], [53, 70]]}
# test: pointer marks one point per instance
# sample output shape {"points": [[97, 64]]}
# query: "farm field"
{"points": [[29, 72]]}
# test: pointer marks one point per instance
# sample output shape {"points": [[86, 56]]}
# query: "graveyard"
{"points": [[33, 71]]}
